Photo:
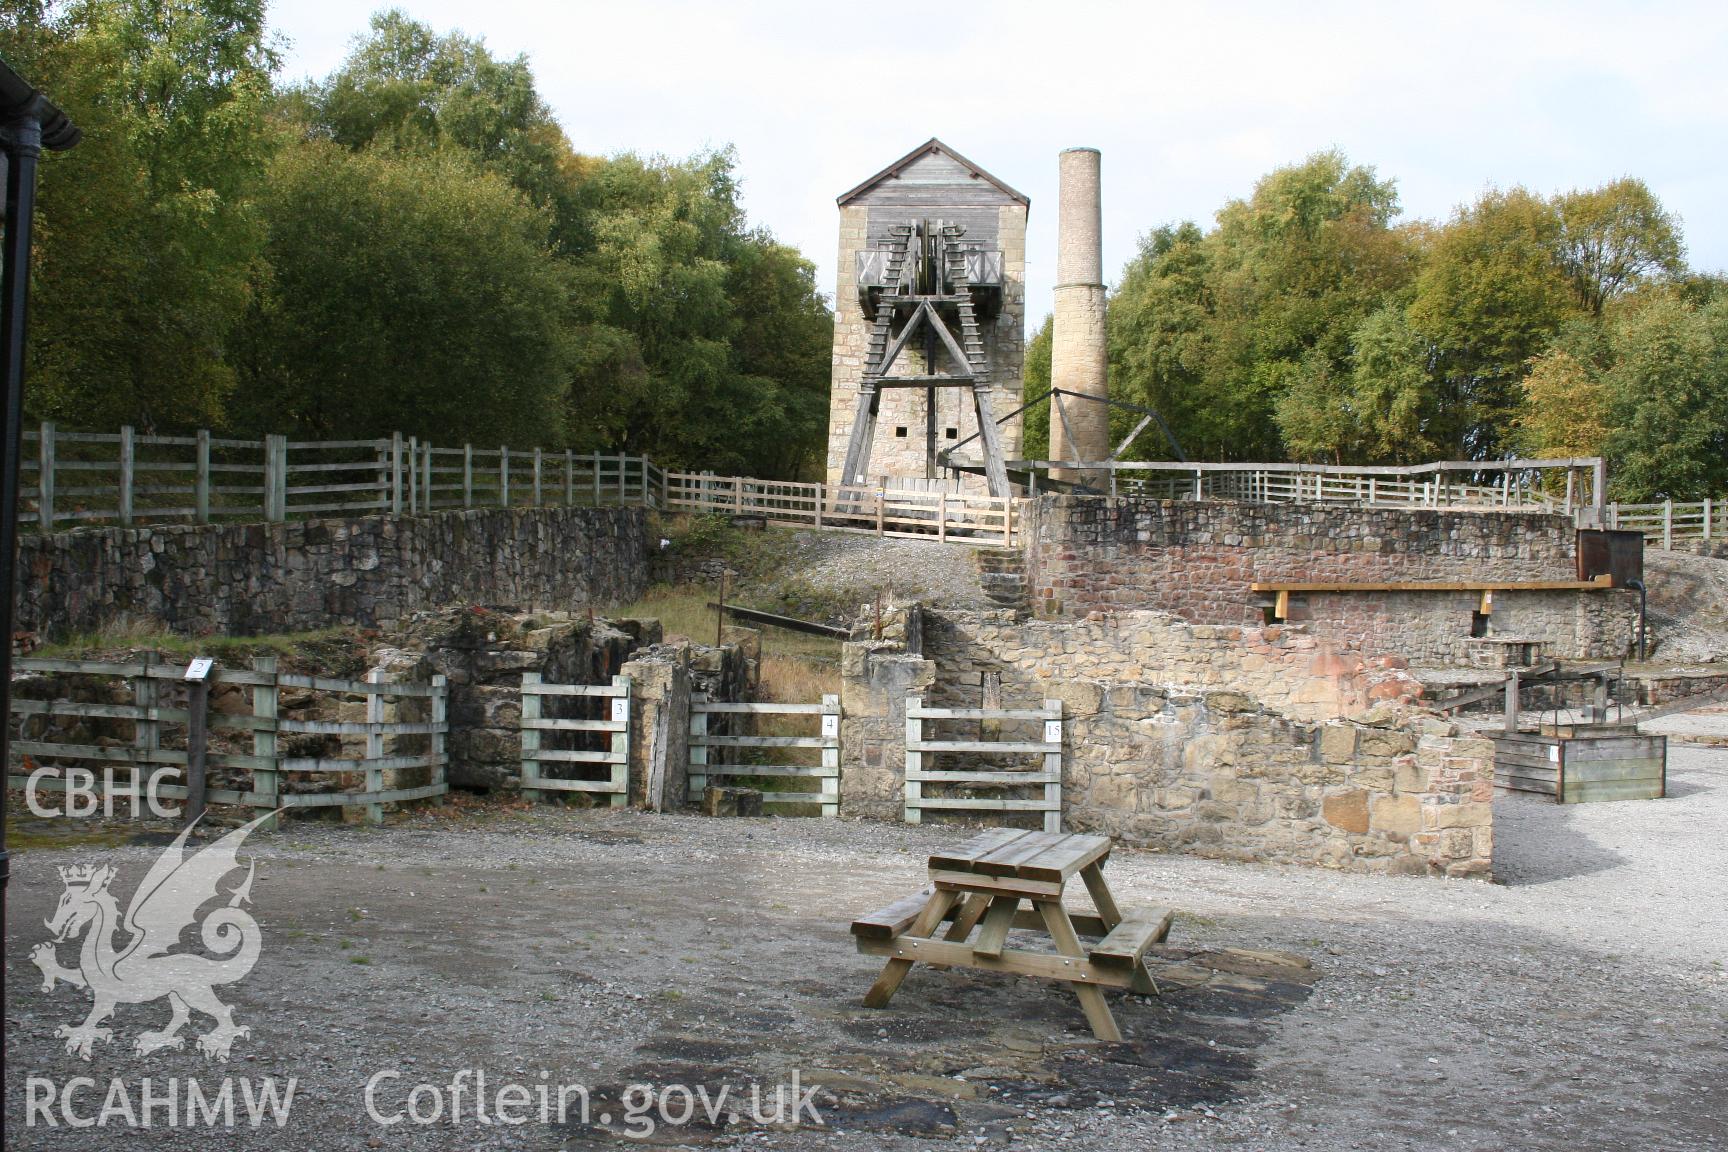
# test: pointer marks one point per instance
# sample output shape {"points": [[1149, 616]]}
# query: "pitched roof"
{"points": [[929, 146]]}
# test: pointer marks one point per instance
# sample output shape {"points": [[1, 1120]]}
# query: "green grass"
{"points": [[683, 611], [153, 635], [30, 834]]}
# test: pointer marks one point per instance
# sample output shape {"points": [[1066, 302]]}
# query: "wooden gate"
{"points": [[1043, 776], [613, 762], [826, 775]]}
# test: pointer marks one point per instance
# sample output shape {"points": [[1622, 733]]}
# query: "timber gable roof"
{"points": [[932, 145]]}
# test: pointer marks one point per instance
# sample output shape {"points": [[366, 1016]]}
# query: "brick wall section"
{"points": [[371, 571], [1198, 560], [1432, 629], [1245, 743]]}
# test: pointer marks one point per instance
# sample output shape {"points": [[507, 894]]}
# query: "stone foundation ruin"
{"points": [[1195, 721], [1243, 742]]}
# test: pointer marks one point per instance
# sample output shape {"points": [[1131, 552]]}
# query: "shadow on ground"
{"points": [[965, 1049]]}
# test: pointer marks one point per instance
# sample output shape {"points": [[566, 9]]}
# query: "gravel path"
{"points": [[1688, 605], [939, 575], [1580, 1003]]}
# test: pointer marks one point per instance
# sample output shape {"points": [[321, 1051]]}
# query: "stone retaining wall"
{"points": [[1253, 743], [244, 579], [1197, 559]]}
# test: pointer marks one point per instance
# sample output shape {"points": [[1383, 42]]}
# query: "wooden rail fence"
{"points": [[1560, 484], [825, 776], [375, 739], [1672, 522], [1044, 776], [870, 509], [576, 765], [125, 478]]}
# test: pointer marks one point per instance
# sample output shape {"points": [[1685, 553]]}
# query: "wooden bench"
{"points": [[978, 887], [1127, 942]]}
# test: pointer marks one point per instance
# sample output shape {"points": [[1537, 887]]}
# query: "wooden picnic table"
{"points": [[979, 886]]}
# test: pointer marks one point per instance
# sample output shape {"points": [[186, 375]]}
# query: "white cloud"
{"points": [[1189, 103]]}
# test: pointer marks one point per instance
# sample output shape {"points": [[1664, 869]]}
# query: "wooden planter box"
{"points": [[1578, 764]]}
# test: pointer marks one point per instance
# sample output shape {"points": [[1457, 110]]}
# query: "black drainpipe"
{"points": [[28, 123]]}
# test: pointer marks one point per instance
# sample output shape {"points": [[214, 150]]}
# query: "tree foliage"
{"points": [[411, 243], [1614, 239], [1309, 323], [407, 292], [1217, 330], [1667, 398], [148, 238]]}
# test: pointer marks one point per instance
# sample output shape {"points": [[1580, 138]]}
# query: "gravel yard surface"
{"points": [[1582, 1002], [1705, 726]]}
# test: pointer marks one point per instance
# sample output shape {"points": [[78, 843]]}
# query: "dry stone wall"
{"points": [[483, 654], [371, 571]]}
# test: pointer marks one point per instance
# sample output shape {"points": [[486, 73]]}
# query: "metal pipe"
{"points": [[1643, 614], [23, 146], [28, 121]]}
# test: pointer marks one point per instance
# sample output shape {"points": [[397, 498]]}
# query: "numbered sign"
{"points": [[200, 667], [1052, 731], [620, 708], [830, 725]]}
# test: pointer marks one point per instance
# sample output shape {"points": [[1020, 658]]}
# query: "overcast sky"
{"points": [[1189, 103]]}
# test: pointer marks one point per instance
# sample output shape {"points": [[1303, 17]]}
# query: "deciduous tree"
{"points": [[408, 291]]}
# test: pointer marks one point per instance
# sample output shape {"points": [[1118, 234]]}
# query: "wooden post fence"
{"points": [[266, 784], [45, 477]]}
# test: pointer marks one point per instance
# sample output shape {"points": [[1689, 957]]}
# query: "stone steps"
{"points": [[1002, 577]]}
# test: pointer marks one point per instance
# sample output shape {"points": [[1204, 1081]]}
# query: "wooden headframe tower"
{"points": [[928, 342]]}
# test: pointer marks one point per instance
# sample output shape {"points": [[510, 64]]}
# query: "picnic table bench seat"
{"points": [[1126, 944]]}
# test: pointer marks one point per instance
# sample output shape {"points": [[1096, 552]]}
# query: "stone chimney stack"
{"points": [[1079, 352]]}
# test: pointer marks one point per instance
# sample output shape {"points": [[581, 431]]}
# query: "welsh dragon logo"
{"points": [[143, 968]]}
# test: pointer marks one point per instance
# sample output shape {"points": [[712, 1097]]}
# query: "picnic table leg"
{"points": [[1061, 930], [895, 970], [997, 921], [1108, 912], [965, 920], [1093, 874]]}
